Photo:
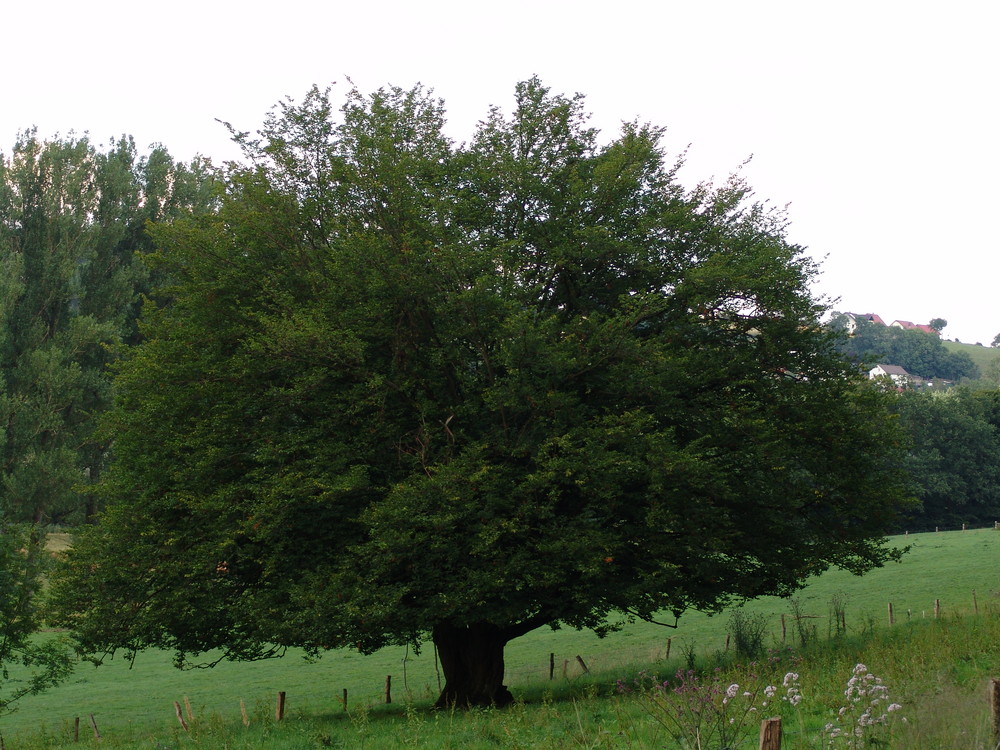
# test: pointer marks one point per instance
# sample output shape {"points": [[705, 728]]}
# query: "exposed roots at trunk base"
{"points": [[472, 660]]}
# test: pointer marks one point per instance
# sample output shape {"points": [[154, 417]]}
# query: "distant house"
{"points": [[872, 318], [908, 326], [851, 321], [900, 377]]}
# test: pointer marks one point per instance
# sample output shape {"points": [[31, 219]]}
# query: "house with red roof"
{"points": [[908, 326]]}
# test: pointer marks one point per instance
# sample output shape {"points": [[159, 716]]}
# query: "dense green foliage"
{"points": [[919, 353], [40, 663], [954, 455], [400, 388], [72, 221]]}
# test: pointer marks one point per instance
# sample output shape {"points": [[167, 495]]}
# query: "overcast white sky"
{"points": [[876, 120]]}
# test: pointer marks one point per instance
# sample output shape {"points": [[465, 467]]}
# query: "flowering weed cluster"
{"points": [[867, 714], [707, 713]]}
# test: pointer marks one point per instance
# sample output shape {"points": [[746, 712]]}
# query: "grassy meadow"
{"points": [[937, 668], [983, 356]]}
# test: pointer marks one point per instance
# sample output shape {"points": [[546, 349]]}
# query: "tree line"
{"points": [[953, 456], [73, 232], [73, 221]]}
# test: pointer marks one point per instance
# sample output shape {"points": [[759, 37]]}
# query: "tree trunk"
{"points": [[472, 661]]}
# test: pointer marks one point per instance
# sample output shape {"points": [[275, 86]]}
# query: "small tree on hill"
{"points": [[403, 390]]}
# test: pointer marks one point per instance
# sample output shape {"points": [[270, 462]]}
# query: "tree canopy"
{"points": [[400, 388]]}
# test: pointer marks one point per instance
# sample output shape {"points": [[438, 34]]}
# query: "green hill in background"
{"points": [[982, 356]]}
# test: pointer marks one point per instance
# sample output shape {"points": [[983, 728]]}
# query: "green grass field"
{"points": [[134, 707], [983, 356]]}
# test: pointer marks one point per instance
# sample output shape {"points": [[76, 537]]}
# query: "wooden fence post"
{"points": [[437, 667], [187, 707], [279, 712], [580, 660], [345, 699], [388, 688], [975, 604], [937, 608], [552, 666], [93, 723], [784, 632], [180, 716], [770, 734], [243, 713], [76, 729], [995, 707], [668, 647], [892, 619]]}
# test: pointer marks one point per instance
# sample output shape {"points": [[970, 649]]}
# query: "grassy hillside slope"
{"points": [[982, 356]]}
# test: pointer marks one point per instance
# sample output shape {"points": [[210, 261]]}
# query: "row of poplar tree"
{"points": [[73, 218]]}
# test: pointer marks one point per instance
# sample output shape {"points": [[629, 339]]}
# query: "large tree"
{"points": [[72, 222], [404, 389]]}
